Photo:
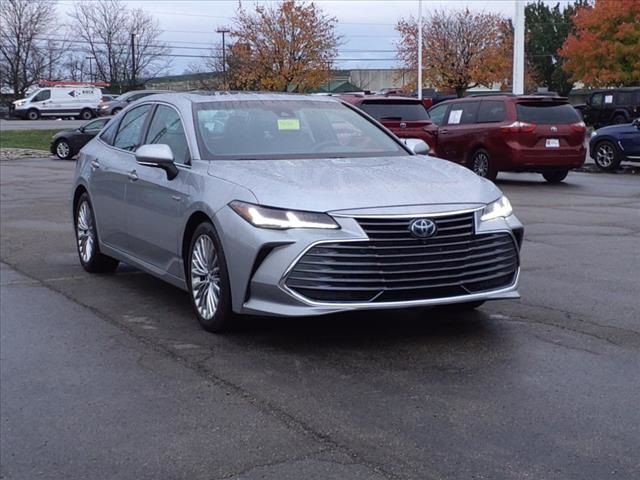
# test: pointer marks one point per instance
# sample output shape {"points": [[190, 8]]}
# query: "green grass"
{"points": [[35, 139]]}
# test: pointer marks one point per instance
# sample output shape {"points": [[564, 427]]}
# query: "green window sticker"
{"points": [[288, 124]]}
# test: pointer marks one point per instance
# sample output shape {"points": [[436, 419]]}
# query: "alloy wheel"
{"points": [[605, 155], [481, 164], [62, 149], [205, 277], [85, 232]]}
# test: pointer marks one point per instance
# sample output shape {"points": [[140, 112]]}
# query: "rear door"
{"points": [[111, 166], [549, 126]]}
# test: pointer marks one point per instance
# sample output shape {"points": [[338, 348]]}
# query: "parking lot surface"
{"points": [[111, 376]]}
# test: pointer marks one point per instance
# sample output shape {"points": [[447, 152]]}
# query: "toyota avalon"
{"points": [[290, 205]]}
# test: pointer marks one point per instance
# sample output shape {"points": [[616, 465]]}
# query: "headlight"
{"points": [[265, 217], [19, 104], [499, 209], [593, 134]]}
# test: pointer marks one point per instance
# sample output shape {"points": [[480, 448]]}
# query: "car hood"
{"points": [[356, 183], [613, 129]]}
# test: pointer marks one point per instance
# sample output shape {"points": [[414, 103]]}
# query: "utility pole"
{"points": [[133, 60], [224, 31], [90, 69], [518, 48], [419, 49]]}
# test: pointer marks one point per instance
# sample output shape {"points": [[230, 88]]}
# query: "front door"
{"points": [[157, 204]]}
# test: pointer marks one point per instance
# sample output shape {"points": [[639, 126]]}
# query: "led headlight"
{"points": [[499, 209], [276, 218]]}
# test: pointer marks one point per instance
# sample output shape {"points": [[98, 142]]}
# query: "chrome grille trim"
{"points": [[404, 269]]}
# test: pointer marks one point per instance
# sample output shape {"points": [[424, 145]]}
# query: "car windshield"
{"points": [[280, 129], [407, 111], [547, 113]]}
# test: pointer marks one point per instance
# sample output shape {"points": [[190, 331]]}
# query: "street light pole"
{"points": [[518, 48], [419, 49], [224, 31]]}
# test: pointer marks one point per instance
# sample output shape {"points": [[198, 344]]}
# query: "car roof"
{"points": [[360, 98], [508, 97], [208, 97]]}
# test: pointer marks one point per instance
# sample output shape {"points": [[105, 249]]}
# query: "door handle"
{"points": [[95, 164], [133, 176], [444, 130]]}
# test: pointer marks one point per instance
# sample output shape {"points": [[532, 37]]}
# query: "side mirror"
{"points": [[417, 146], [81, 129], [636, 123], [158, 156]]}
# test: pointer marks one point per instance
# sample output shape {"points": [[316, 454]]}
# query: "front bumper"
{"points": [[259, 260]]}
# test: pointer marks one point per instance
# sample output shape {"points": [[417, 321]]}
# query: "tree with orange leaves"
{"points": [[288, 46], [604, 51], [461, 50]]}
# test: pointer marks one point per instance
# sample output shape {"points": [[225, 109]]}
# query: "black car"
{"points": [[68, 143], [611, 145], [611, 107]]}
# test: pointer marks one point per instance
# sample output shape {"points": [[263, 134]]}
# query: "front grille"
{"points": [[395, 266]]}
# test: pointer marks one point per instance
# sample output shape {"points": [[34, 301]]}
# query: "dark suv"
{"points": [[612, 107], [509, 133], [406, 117]]}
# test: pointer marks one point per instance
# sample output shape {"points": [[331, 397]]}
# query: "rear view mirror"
{"points": [[417, 146], [158, 156]]}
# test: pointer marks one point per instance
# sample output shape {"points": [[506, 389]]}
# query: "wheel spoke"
{"points": [[205, 276]]}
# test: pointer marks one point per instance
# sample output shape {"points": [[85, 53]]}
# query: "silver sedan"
{"points": [[288, 205]]}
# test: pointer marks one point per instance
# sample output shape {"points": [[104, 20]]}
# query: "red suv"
{"points": [[509, 133], [406, 117]]}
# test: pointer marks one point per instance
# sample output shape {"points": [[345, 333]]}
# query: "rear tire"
{"points": [[556, 176], [606, 156], [33, 114], [619, 119], [63, 149], [86, 114], [87, 240], [208, 280], [482, 165]]}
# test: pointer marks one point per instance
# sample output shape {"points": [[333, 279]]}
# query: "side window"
{"points": [[166, 128], [624, 98], [42, 95], [463, 113], [109, 133], [95, 126], [437, 114], [491, 111], [596, 100], [128, 136]]}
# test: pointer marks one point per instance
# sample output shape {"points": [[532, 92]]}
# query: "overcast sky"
{"points": [[367, 26]]}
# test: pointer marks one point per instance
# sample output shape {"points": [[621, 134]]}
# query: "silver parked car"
{"points": [[288, 205]]}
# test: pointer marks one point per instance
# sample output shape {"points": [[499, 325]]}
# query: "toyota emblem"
{"points": [[423, 228]]}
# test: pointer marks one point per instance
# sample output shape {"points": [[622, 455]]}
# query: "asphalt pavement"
{"points": [[109, 376]]}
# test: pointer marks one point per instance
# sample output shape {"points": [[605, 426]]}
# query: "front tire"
{"points": [[208, 280], [606, 156], [87, 240], [63, 149], [33, 114], [482, 165], [555, 176]]}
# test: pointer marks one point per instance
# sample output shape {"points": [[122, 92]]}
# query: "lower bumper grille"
{"points": [[393, 266]]}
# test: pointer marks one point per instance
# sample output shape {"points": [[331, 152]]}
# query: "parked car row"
{"points": [[79, 101]]}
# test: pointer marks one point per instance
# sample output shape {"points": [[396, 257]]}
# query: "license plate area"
{"points": [[552, 143]]}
